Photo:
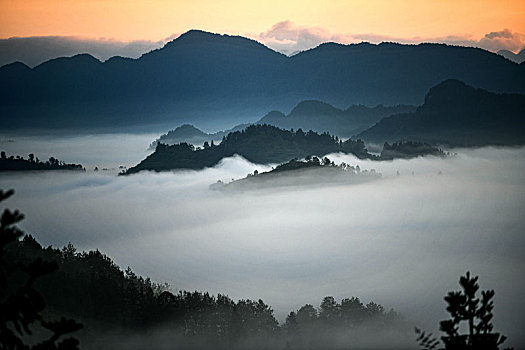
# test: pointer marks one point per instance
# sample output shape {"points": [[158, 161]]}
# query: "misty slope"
{"points": [[307, 115], [514, 57], [297, 173], [458, 115], [221, 80], [321, 117]]}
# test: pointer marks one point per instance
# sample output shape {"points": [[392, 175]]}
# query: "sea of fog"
{"points": [[402, 241]]}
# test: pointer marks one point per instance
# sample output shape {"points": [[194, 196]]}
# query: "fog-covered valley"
{"points": [[402, 240]]}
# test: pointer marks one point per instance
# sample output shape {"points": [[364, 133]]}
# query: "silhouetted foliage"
{"points": [[90, 287], [21, 304], [18, 163], [309, 327], [312, 171], [110, 296], [409, 149], [464, 306]]}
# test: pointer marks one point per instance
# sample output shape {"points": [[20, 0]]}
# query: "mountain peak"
{"points": [[201, 37], [450, 89], [16, 66], [313, 107]]}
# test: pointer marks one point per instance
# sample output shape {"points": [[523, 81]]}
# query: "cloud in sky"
{"points": [[35, 50], [504, 39], [289, 38]]}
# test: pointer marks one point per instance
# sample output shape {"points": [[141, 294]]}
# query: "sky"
{"points": [[286, 26], [401, 241]]}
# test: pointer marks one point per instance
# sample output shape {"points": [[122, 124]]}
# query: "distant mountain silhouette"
{"points": [[514, 57], [307, 115], [458, 115], [188, 133], [220, 80], [321, 117]]}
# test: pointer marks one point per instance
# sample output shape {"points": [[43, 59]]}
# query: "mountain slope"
{"points": [[320, 116], [190, 134], [263, 144], [307, 115], [514, 57], [220, 80], [458, 115]]}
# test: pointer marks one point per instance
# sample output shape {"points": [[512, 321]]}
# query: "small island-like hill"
{"points": [[18, 163]]}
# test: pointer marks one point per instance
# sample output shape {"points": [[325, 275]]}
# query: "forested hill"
{"points": [[90, 288], [261, 144], [457, 114], [18, 163], [221, 80], [190, 134]]}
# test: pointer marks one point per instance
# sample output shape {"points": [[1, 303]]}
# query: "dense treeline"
{"points": [[409, 149], [266, 144], [345, 325], [23, 325], [308, 172], [91, 288], [38, 284], [17, 163], [257, 143]]}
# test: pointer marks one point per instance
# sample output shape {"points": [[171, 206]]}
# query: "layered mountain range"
{"points": [[307, 115], [456, 114], [217, 81]]}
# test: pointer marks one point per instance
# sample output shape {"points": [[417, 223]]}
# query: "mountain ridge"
{"points": [[457, 114], [199, 78], [326, 118]]}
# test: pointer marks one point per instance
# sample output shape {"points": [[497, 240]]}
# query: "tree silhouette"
{"points": [[21, 305], [464, 306]]}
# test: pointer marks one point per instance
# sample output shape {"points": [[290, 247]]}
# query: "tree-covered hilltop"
{"points": [[312, 171], [409, 149], [188, 133], [261, 144], [90, 288], [18, 163]]}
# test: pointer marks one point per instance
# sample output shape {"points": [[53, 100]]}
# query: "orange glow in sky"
{"points": [[157, 19]]}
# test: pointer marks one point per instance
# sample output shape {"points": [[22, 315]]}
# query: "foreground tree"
{"points": [[21, 305], [464, 306]]}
